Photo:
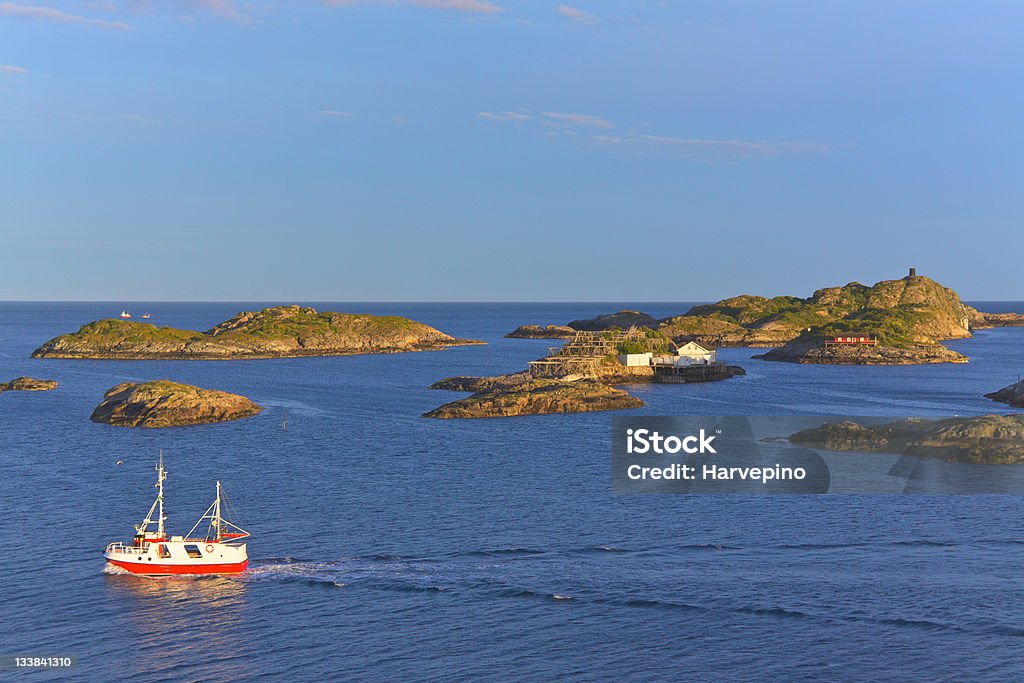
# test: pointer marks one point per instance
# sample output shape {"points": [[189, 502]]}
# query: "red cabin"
{"points": [[851, 339]]}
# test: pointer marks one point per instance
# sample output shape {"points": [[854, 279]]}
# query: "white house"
{"points": [[635, 360], [692, 353]]}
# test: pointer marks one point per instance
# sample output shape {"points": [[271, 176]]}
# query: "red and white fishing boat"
{"points": [[125, 314], [153, 553]]}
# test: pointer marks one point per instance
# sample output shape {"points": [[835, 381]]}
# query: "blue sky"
{"points": [[490, 150]]}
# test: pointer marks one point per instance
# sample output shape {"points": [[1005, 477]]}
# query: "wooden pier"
{"points": [[672, 374]]}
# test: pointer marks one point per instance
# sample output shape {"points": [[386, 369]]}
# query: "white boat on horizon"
{"points": [[125, 314]]}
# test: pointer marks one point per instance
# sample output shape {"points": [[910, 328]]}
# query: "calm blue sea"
{"points": [[391, 547]]}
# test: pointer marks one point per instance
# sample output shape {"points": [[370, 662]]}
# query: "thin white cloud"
{"points": [[237, 11], [601, 136], [577, 14], [335, 113], [473, 6], [10, 69], [142, 118], [577, 120], [225, 9], [41, 13], [504, 116], [705, 149], [469, 6]]}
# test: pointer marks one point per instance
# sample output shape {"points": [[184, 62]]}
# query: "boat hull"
{"points": [[151, 569]]}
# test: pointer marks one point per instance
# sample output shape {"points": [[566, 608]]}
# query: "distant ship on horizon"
{"points": [[125, 314]]}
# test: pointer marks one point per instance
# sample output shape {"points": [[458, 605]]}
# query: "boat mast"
{"points": [[216, 512], [160, 476], [221, 528]]}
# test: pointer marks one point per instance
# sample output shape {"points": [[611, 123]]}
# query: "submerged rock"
{"points": [[538, 397], [28, 384], [169, 404], [277, 332], [1013, 395], [989, 439]]}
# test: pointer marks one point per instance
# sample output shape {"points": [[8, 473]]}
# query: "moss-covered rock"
{"points": [[278, 332], [907, 313], [622, 320], [474, 384], [169, 404], [989, 439], [538, 397], [810, 349], [542, 332], [28, 384]]}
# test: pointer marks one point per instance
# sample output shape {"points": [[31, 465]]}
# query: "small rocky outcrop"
{"points": [[989, 439], [985, 320], [28, 384], [542, 332], [475, 384], [277, 332], [539, 397], [622, 320], [1012, 395], [169, 404], [810, 350]]}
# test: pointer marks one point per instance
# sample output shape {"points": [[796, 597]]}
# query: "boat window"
{"points": [[165, 552], [193, 551]]}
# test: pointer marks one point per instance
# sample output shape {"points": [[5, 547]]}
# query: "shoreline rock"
{"points": [[538, 397], [163, 403], [988, 439], [809, 351], [28, 384], [990, 320], [1012, 395], [277, 332]]}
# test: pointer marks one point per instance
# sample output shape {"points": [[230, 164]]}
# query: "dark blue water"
{"points": [[391, 547]]}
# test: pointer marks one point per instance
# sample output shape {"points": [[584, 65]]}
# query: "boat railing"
{"points": [[126, 549]]}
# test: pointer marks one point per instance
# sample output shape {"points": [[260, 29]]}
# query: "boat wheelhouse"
{"points": [[151, 552]]}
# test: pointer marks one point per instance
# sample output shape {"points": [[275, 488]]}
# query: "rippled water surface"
{"points": [[387, 546]]}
